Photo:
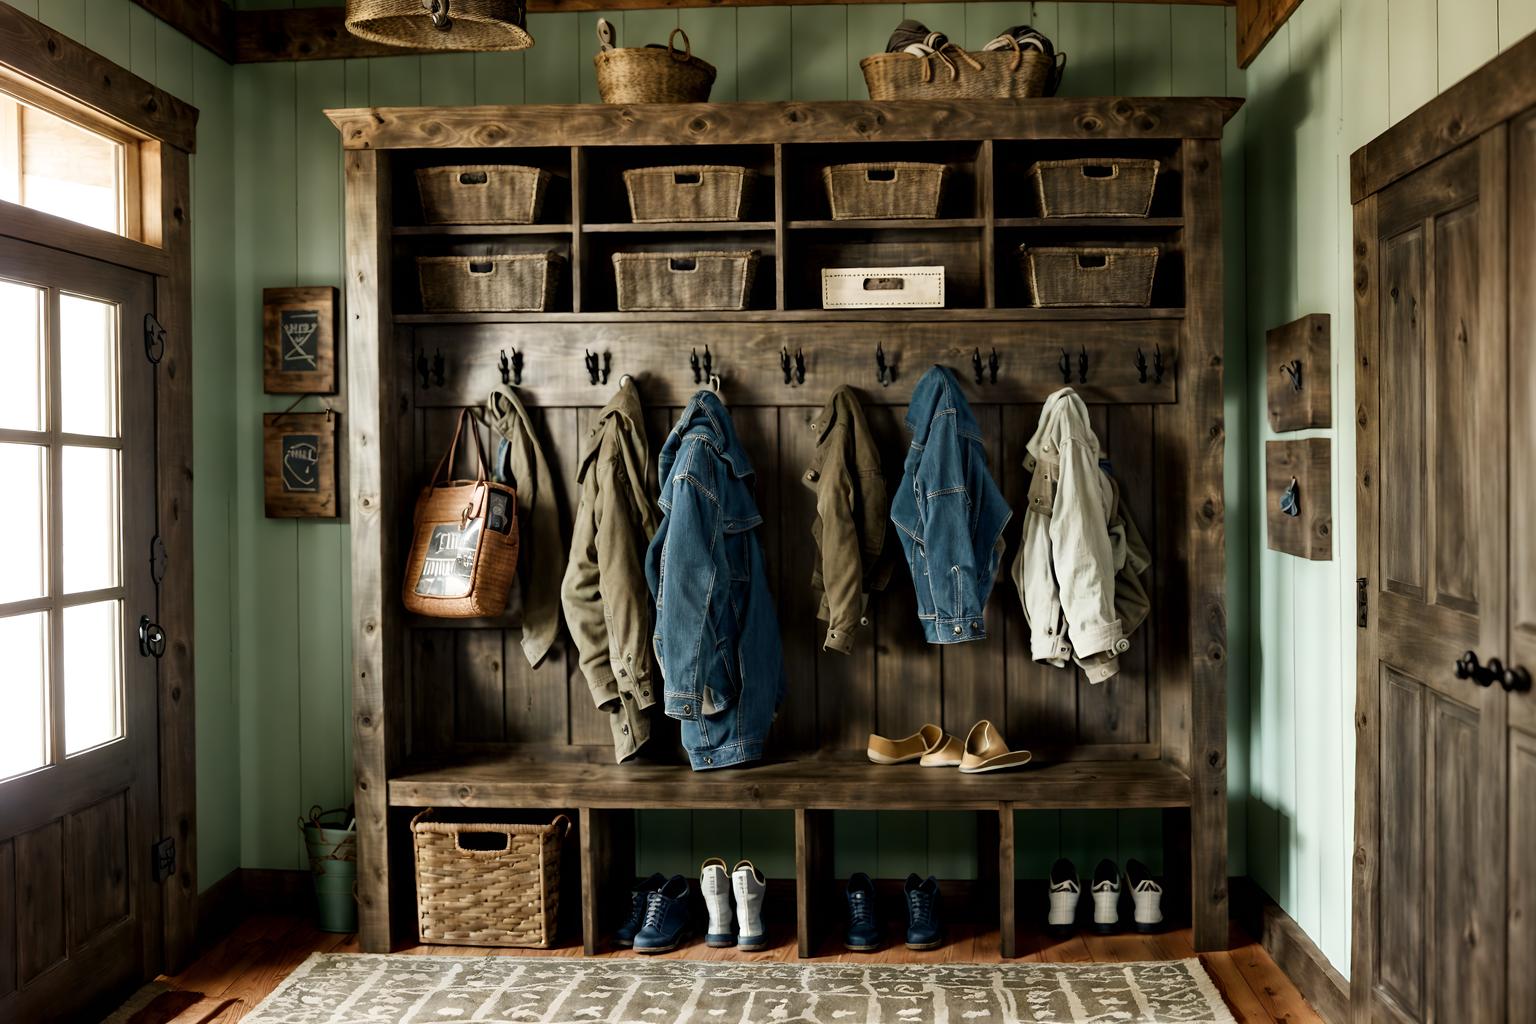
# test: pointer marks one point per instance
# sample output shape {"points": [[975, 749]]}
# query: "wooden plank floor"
{"points": [[241, 970]]}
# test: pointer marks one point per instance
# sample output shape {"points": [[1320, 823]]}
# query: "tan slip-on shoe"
{"points": [[946, 755], [985, 751], [883, 751]]}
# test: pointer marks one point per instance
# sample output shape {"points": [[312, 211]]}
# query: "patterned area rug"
{"points": [[352, 988]]}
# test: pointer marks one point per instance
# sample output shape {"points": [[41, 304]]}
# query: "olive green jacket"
{"points": [[607, 603], [852, 509], [520, 462]]}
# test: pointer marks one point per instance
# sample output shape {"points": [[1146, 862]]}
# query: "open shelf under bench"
{"points": [[831, 784]]}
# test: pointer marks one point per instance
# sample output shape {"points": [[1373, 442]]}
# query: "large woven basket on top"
{"points": [[652, 74], [1091, 187], [471, 895], [1090, 275], [504, 283], [684, 280], [696, 192], [955, 74], [441, 24], [482, 194], [869, 191]]}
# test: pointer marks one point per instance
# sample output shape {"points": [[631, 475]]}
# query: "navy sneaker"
{"points": [[924, 929], [864, 933], [666, 918], [625, 935]]}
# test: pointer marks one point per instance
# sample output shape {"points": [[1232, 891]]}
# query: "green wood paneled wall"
{"points": [[1338, 74], [273, 596]]}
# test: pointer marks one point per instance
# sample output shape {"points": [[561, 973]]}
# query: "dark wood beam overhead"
{"points": [[1257, 23], [209, 23], [319, 33]]}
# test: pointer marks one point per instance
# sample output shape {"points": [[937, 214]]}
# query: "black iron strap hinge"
{"points": [[154, 339], [164, 858], [1362, 602]]}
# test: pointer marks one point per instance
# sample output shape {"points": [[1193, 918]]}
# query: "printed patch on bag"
{"points": [[301, 463], [499, 512], [449, 568]]}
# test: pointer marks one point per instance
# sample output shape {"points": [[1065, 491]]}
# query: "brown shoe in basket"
{"points": [[985, 751], [930, 745]]}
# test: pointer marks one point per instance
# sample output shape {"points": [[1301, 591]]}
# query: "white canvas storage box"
{"points": [[882, 288]]}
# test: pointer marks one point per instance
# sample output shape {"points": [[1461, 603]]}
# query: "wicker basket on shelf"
{"points": [[482, 194], [504, 283], [877, 190], [694, 192], [1089, 275], [1092, 187], [651, 74], [951, 73], [684, 280], [506, 895]]}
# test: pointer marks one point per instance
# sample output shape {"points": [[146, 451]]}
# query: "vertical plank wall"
{"points": [[1338, 74], [134, 39]]}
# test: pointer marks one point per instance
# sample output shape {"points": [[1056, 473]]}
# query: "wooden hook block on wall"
{"points": [[1299, 372], [1309, 462]]}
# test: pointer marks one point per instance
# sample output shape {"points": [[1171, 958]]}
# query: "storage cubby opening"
{"points": [[959, 252], [406, 200], [407, 280], [600, 284], [1012, 286], [805, 191], [1017, 197], [606, 196]]}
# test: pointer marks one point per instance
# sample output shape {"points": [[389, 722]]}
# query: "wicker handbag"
{"points": [[951, 73], [651, 74], [488, 885], [464, 545]]}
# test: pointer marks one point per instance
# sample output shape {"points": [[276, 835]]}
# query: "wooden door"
{"points": [[1430, 775], [1521, 652], [79, 790]]}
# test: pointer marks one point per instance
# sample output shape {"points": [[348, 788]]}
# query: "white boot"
{"points": [[1146, 896], [1106, 897], [716, 887], [748, 884], [1065, 892]]}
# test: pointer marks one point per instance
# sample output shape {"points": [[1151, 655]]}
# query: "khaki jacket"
{"points": [[851, 512], [607, 604], [520, 462], [1079, 568]]}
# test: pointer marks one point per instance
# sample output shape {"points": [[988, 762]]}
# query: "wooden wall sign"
{"points": [[299, 461], [299, 340], [1300, 374], [1298, 497]]}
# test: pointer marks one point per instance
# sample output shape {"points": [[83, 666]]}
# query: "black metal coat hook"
{"points": [[439, 369], [784, 365], [511, 369], [1065, 365], [693, 361], [709, 363], [597, 367], [992, 365], [1082, 366], [424, 368], [799, 366], [1157, 364], [884, 372], [1141, 365], [976, 365], [1292, 370]]}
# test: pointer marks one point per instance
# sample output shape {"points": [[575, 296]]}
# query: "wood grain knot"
{"points": [[464, 792], [53, 45], [698, 126], [175, 694], [365, 721], [1216, 653], [1122, 109], [1089, 123], [1146, 122], [362, 784], [1454, 128]]}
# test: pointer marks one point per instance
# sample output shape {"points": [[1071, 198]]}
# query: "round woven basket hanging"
{"points": [[441, 24]]}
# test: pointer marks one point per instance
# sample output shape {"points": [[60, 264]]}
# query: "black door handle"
{"points": [[1515, 679], [1468, 667]]}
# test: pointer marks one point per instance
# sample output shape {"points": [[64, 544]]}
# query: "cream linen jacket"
{"points": [[1079, 568]]}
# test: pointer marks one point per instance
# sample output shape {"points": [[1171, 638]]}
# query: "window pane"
{"points": [[24, 469], [91, 504], [88, 361], [22, 347], [24, 693], [93, 675], [69, 171]]}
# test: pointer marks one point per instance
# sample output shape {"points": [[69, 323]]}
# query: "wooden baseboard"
{"points": [[244, 891], [1292, 949]]}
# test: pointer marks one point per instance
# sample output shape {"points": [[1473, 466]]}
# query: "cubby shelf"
{"points": [[890, 224], [679, 227], [482, 230], [798, 315], [1097, 223]]}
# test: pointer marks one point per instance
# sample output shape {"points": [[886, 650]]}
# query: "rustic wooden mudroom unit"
{"points": [[448, 714]]}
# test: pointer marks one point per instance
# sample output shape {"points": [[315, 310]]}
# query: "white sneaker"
{"points": [[716, 887], [748, 884], [1146, 896], [1106, 897], [1065, 893]]}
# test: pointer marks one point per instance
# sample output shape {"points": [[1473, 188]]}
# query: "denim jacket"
{"points": [[717, 634], [948, 512]]}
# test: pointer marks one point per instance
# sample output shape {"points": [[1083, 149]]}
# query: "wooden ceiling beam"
{"points": [[1257, 23], [319, 33], [209, 23]]}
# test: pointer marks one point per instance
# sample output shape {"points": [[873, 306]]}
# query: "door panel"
{"points": [[1437, 590], [39, 900], [1522, 875], [1522, 417]]}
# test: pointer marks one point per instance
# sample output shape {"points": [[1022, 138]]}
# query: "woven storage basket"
{"points": [[1094, 188], [684, 280], [507, 283], [955, 74], [866, 191], [1090, 276], [477, 897], [482, 194], [653, 74], [441, 24], [694, 192]]}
